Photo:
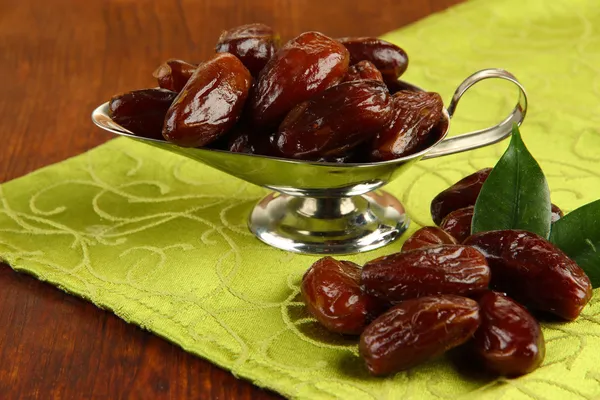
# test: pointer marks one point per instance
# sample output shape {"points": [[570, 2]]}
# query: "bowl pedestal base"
{"points": [[328, 225]]}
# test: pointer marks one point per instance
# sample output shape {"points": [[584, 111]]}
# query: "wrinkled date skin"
{"points": [[415, 114], [331, 292], [509, 340], [173, 74], [445, 269], [556, 213], [534, 272], [335, 121], [303, 67], [389, 59], [210, 103], [142, 111], [458, 223], [416, 330], [429, 236], [253, 44], [462, 194], [363, 70]]}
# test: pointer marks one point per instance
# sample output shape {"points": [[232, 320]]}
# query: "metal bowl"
{"points": [[331, 208]]}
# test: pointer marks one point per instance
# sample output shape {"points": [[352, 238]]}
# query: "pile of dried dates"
{"points": [[447, 288], [312, 98]]}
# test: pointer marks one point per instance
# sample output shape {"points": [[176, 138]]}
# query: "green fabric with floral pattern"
{"points": [[162, 241]]}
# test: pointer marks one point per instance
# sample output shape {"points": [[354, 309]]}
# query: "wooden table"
{"points": [[61, 58]]}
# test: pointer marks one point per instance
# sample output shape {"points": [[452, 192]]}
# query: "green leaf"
{"points": [[515, 195], [578, 235]]}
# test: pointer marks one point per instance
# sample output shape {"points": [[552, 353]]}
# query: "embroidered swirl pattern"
{"points": [[162, 241]]}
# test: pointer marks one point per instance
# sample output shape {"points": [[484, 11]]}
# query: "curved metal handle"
{"points": [[484, 137]]}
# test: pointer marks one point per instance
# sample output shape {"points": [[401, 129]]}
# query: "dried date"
{"points": [[556, 213], [242, 141], [389, 59], [429, 236], [445, 269], [415, 115], [246, 140], [417, 330], [335, 121], [458, 223], [534, 272], [173, 74], [142, 111], [210, 103], [509, 340], [462, 194], [363, 70], [331, 292], [303, 67], [253, 44]]}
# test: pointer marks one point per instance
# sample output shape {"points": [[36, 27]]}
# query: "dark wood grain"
{"points": [[58, 60]]}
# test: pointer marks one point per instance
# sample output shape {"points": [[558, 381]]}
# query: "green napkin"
{"points": [[162, 241]]}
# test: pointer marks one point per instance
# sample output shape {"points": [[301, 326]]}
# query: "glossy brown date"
{"points": [[415, 114], [534, 272], [335, 121], [458, 223], [247, 140], [556, 213], [142, 111], [509, 340], [331, 292], [429, 236], [173, 74], [445, 269], [253, 44], [210, 103], [390, 59], [417, 330], [241, 141], [462, 194], [303, 67], [363, 70]]}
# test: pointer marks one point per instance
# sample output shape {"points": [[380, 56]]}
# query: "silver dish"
{"points": [[330, 208]]}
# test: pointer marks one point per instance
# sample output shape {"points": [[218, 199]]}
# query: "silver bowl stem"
{"points": [[328, 225]]}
